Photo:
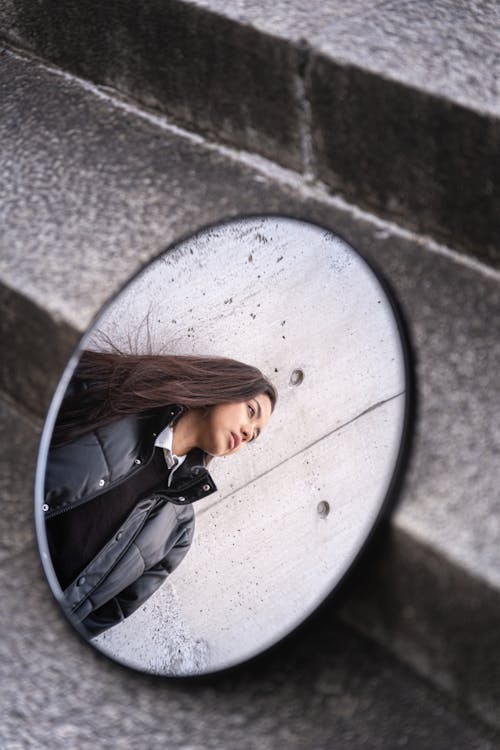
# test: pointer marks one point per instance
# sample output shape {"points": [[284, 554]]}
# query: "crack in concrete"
{"points": [[369, 409]]}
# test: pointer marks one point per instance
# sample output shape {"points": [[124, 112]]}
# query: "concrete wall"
{"points": [[286, 296], [394, 106]]}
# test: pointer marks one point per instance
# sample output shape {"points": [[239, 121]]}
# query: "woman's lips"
{"points": [[235, 441]]}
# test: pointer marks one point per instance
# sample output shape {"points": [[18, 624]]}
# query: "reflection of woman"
{"points": [[127, 460]]}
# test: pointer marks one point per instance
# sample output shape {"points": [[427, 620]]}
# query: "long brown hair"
{"points": [[109, 385]]}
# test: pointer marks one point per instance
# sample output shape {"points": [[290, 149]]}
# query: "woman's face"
{"points": [[228, 427]]}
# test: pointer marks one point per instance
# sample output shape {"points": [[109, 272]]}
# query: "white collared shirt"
{"points": [[164, 440]]}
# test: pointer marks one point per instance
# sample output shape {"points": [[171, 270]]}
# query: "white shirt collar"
{"points": [[164, 440]]}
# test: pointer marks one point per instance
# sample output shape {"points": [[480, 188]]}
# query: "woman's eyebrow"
{"points": [[259, 410]]}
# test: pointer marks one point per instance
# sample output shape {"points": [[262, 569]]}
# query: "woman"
{"points": [[128, 457]]}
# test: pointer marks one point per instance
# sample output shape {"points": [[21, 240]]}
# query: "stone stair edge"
{"points": [[38, 338], [31, 305], [394, 597], [310, 190], [315, 93], [304, 45]]}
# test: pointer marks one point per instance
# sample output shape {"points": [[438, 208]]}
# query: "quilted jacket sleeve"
{"points": [[135, 594]]}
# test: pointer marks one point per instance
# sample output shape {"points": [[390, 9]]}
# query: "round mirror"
{"points": [[221, 445]]}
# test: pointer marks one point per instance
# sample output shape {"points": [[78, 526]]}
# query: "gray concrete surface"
{"points": [[95, 190], [164, 55], [392, 105], [102, 211], [447, 48], [157, 639], [450, 497], [326, 687]]}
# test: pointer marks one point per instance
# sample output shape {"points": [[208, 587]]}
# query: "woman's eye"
{"points": [[251, 410]]}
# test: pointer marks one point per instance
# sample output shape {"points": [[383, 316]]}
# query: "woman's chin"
{"points": [[217, 452]]}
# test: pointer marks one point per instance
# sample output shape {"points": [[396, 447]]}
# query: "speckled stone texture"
{"points": [[446, 528], [202, 68], [393, 105], [88, 194], [92, 191], [155, 638]]}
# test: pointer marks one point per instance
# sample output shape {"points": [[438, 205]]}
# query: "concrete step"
{"points": [[394, 106], [326, 687], [93, 189]]}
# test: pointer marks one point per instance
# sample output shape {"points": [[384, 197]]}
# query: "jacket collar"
{"points": [[195, 461]]}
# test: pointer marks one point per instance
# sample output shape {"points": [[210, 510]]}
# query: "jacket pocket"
{"points": [[120, 555]]}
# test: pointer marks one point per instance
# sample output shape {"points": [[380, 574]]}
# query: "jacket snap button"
{"points": [[119, 535], [45, 507], [181, 499], [206, 487], [137, 461], [101, 482], [80, 581]]}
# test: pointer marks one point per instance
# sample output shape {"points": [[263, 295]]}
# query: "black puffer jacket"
{"points": [[155, 535]]}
